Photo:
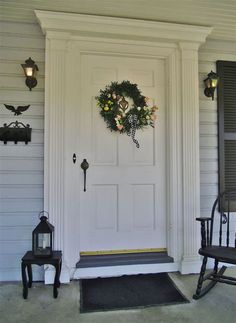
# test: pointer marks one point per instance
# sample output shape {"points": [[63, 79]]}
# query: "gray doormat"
{"points": [[126, 292]]}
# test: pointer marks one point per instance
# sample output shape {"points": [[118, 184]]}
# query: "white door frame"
{"points": [[178, 46]]}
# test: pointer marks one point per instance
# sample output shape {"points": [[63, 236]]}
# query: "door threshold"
{"points": [[90, 261]]}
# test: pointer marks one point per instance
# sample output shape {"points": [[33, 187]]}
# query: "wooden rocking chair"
{"points": [[218, 242]]}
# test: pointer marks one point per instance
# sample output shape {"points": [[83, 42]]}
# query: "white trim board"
{"points": [[100, 26], [178, 46], [111, 271]]}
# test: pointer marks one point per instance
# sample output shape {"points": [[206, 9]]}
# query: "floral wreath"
{"points": [[125, 109]]}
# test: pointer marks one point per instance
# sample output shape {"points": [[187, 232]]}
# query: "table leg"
{"points": [[56, 280], [60, 265], [24, 280], [29, 270]]}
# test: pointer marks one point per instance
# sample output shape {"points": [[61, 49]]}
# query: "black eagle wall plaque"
{"points": [[17, 111]]}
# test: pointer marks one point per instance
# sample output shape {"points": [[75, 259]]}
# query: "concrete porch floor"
{"points": [[219, 305]]}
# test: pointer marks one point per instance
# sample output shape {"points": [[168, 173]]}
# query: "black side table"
{"points": [[29, 259]]}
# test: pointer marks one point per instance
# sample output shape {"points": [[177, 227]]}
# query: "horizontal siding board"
{"points": [[206, 152], [35, 95], [203, 69], [13, 68], [18, 82], [208, 190], [208, 141], [208, 129], [21, 178], [10, 247], [207, 201], [21, 150], [202, 96], [21, 29], [21, 191], [212, 57], [12, 260], [21, 164], [30, 42], [21, 205], [220, 47], [15, 274], [208, 116], [10, 236], [36, 122], [205, 103], [207, 177], [37, 136], [18, 218], [209, 165], [12, 54], [34, 110]]}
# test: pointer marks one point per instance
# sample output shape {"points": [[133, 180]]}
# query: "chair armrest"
{"points": [[203, 219], [204, 231]]}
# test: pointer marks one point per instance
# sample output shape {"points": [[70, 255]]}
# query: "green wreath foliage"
{"points": [[116, 110]]}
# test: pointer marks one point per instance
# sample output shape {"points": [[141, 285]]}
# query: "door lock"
{"points": [[74, 158]]}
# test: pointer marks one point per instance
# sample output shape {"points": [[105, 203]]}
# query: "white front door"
{"points": [[124, 206]]}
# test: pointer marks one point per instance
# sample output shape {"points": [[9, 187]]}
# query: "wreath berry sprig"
{"points": [[125, 109]]}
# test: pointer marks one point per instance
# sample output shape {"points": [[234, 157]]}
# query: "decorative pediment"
{"points": [[119, 28]]}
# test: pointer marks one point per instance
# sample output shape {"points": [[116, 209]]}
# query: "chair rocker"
{"points": [[218, 242]]}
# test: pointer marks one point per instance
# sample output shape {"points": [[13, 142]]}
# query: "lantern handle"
{"points": [[42, 212]]}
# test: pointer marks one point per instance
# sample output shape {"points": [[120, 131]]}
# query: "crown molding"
{"points": [[106, 27]]}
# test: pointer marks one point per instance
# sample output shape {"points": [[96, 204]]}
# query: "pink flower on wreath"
{"points": [[119, 126]]}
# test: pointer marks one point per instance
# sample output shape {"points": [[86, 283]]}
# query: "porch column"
{"points": [[56, 46], [190, 145]]}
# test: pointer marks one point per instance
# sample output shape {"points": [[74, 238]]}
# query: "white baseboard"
{"points": [[112, 271], [190, 267], [49, 275]]}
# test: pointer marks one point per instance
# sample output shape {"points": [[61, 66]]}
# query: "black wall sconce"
{"points": [[210, 84], [30, 69]]}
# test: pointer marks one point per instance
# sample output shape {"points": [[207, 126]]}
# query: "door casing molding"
{"points": [[68, 36]]}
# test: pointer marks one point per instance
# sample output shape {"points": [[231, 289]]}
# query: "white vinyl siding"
{"points": [[209, 53], [21, 166]]}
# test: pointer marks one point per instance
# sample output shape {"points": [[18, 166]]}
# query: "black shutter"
{"points": [[227, 125]]}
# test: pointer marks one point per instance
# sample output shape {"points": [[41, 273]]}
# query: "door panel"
{"points": [[124, 206]]}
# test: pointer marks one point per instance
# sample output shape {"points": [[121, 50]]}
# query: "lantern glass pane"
{"points": [[29, 71], [44, 240], [42, 244], [207, 83], [214, 82]]}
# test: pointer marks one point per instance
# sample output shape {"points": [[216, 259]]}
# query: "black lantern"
{"points": [[42, 237], [210, 84], [30, 69]]}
